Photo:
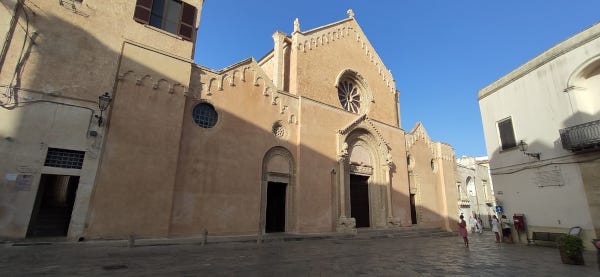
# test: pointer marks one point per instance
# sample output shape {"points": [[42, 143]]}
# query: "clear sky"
{"points": [[441, 52]]}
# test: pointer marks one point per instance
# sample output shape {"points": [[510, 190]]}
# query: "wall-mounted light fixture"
{"points": [[103, 103], [523, 147]]}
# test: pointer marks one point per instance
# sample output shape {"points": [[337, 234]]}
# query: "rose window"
{"points": [[349, 96]]}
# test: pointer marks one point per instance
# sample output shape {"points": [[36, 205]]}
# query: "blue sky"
{"points": [[441, 52]]}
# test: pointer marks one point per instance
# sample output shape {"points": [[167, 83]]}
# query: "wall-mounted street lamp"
{"points": [[523, 147], [103, 103]]}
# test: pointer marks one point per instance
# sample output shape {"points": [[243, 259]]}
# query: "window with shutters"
{"points": [[174, 16], [507, 134]]}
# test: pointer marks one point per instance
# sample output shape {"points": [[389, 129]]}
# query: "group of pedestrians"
{"points": [[498, 226]]}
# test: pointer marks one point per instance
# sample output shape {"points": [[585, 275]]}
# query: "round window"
{"points": [[349, 95], [205, 115]]}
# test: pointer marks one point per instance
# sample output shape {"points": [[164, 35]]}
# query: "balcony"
{"points": [[581, 137]]}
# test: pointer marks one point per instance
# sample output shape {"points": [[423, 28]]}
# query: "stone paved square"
{"points": [[434, 256]]}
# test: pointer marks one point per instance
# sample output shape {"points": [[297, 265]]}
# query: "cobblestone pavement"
{"points": [[436, 256]]}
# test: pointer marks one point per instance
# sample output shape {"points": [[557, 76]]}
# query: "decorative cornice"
{"points": [[349, 127], [439, 150], [247, 70], [323, 36], [155, 82], [547, 56], [365, 120]]}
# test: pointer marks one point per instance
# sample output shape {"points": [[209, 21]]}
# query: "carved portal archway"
{"points": [[278, 168], [363, 152]]}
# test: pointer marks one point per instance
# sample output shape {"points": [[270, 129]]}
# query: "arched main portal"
{"points": [[364, 193], [277, 192]]}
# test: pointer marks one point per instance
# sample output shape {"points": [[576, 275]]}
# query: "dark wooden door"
{"points": [[359, 200], [275, 218]]}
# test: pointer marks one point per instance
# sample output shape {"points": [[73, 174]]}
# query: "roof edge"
{"points": [[552, 53]]}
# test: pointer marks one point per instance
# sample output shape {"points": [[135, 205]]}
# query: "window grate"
{"points": [[64, 158], [204, 115]]}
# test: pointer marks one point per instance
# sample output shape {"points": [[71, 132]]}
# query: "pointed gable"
{"points": [[318, 58], [346, 29]]}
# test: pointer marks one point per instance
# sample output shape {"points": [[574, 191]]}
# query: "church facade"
{"points": [[305, 140]]}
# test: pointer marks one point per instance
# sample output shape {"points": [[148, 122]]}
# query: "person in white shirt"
{"points": [[496, 228]]}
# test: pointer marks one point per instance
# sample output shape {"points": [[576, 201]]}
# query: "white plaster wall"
{"points": [[49, 125], [539, 108]]}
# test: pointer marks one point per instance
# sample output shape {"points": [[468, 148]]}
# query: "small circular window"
{"points": [[205, 115], [279, 129]]}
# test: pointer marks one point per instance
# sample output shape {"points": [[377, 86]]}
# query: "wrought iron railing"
{"points": [[582, 136]]}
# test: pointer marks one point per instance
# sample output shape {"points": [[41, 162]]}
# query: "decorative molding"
{"points": [[343, 30], [542, 59], [361, 169], [238, 73], [363, 119], [155, 83], [346, 225], [364, 123]]}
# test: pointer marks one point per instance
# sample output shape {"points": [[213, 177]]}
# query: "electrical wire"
{"points": [[543, 165]]}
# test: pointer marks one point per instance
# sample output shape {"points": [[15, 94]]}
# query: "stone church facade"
{"points": [[305, 140]]}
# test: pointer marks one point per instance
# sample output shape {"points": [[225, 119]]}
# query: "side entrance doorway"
{"points": [[275, 215], [53, 206], [413, 209], [359, 200]]}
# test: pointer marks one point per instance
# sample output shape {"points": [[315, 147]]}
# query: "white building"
{"points": [[474, 189], [542, 130]]}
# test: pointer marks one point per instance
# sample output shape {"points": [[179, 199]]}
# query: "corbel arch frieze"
{"points": [[156, 83], [210, 79], [312, 41]]}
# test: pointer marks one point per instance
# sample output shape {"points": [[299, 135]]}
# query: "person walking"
{"points": [[462, 225], [473, 224], [506, 233], [479, 225], [496, 228]]}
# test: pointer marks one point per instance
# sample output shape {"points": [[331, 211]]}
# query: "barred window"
{"points": [[64, 158], [204, 115]]}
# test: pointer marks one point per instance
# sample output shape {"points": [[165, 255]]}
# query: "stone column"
{"points": [[345, 224]]}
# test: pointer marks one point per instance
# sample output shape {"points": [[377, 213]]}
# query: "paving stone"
{"points": [[336, 256]]}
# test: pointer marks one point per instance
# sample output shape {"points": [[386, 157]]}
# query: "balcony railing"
{"points": [[581, 137]]}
